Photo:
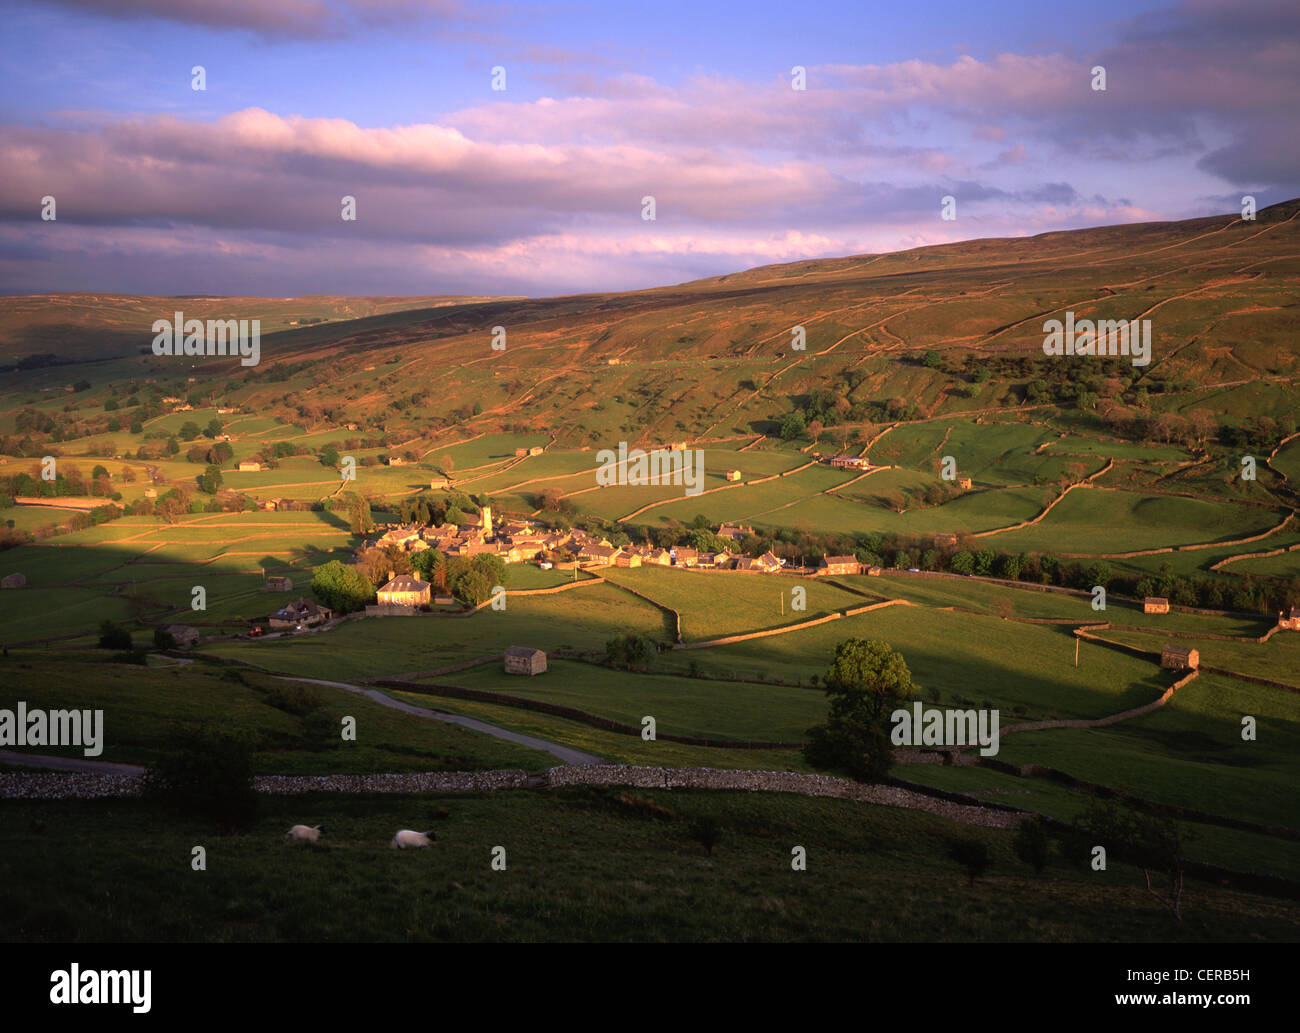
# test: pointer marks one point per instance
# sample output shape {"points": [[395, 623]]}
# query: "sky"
{"points": [[538, 188]]}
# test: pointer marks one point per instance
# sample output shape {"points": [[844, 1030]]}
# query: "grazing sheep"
{"points": [[304, 833], [407, 838]]}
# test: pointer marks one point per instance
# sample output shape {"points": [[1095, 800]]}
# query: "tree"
{"points": [[473, 586], [865, 682], [1155, 844], [1032, 844], [932, 360], [341, 588], [707, 832], [792, 425], [971, 854], [211, 480], [329, 456], [112, 636], [190, 431]]}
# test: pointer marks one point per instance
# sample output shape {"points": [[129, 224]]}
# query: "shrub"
{"points": [[112, 636], [1032, 844], [971, 854], [293, 698], [707, 832]]}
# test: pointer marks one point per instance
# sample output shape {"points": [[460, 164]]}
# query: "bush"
{"points": [[1032, 844], [295, 699], [209, 773], [707, 832], [111, 636], [971, 854], [163, 639]]}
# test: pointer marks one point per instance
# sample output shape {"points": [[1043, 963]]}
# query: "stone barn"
{"points": [[183, 635], [279, 583], [525, 660], [1180, 658], [1287, 622], [1154, 604], [14, 581]]}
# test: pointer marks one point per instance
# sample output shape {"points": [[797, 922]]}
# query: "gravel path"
{"points": [[40, 760]]}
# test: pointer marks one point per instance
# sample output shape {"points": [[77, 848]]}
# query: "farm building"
{"points": [[1155, 604], [14, 581], [151, 493], [439, 482], [1179, 658], [182, 634], [733, 475], [1290, 622], [407, 590], [279, 583], [300, 611], [524, 660], [249, 466], [677, 446], [875, 570], [839, 565], [396, 461], [445, 599], [659, 557], [624, 558], [598, 555], [734, 531], [769, 562], [685, 557], [964, 483], [847, 462]]}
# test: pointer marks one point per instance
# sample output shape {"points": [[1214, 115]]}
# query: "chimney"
{"points": [[391, 575]]}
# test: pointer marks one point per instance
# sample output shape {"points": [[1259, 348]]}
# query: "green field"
{"points": [[295, 729], [680, 706], [717, 603], [581, 865]]}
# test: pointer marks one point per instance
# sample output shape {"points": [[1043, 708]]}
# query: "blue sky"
{"points": [[537, 189]]}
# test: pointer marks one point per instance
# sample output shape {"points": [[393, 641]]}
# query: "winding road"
{"points": [[564, 753]]}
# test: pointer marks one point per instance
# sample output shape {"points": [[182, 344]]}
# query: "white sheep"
{"points": [[408, 838], [304, 833]]}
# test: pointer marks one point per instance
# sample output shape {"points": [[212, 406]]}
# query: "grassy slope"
{"points": [[580, 866]]}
